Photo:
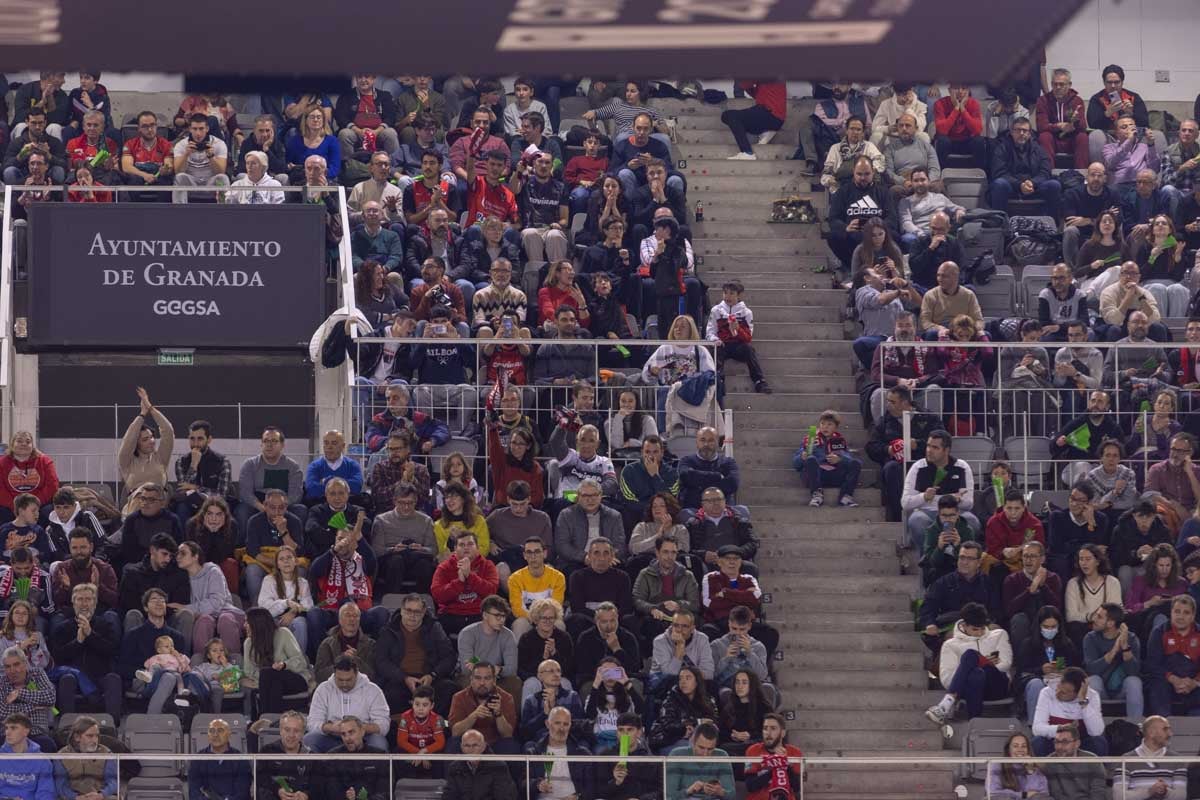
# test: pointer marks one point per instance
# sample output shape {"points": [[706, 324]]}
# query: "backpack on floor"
{"points": [[1122, 735]]}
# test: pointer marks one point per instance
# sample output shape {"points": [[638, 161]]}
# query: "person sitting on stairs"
{"points": [[824, 459]]}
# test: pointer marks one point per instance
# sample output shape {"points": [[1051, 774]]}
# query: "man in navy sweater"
{"points": [[949, 593], [704, 468], [230, 779], [632, 154]]}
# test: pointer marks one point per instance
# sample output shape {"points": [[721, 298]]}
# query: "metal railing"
{"points": [[959, 773], [1024, 410]]}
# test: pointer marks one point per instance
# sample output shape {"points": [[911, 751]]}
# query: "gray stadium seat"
{"points": [[681, 446], [1034, 278], [1185, 734], [1040, 499], [198, 736], [154, 734], [978, 451], [1030, 459], [65, 721], [419, 789], [143, 788], [461, 444], [985, 736], [996, 296]]}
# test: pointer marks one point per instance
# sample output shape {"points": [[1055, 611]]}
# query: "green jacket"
{"points": [[681, 776], [647, 589]]}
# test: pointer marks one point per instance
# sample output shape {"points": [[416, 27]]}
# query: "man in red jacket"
{"points": [[1011, 528], [765, 117], [778, 772], [461, 582], [725, 589], [959, 122], [1062, 120]]}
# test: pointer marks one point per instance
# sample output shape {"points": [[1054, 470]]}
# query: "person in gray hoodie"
{"points": [[211, 603], [347, 693]]}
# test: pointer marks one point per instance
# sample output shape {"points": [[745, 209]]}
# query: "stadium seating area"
{"points": [[516, 545]]}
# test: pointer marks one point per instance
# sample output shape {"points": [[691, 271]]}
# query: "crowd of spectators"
{"points": [[630, 616]]}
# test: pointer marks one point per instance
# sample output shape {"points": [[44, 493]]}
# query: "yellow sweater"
{"points": [[442, 532], [523, 588]]}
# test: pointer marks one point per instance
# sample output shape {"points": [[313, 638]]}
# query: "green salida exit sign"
{"points": [[176, 358]]}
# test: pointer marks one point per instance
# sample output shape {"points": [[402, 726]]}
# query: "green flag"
{"points": [[338, 521], [1081, 438], [622, 746], [998, 488], [812, 439], [938, 476]]}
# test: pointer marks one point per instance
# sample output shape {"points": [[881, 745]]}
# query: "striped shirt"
{"points": [[624, 114], [1137, 777]]}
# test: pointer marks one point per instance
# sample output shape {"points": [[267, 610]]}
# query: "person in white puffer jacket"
{"points": [[976, 665]]}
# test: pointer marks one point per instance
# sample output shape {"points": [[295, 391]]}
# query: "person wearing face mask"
{"points": [[1042, 658]]}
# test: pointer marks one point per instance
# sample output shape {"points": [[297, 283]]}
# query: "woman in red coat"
{"points": [[25, 469], [514, 464]]}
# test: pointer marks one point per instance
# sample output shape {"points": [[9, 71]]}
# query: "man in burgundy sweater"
{"points": [[959, 122]]}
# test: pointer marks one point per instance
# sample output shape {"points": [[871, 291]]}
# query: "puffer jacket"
{"points": [[676, 714], [994, 640]]}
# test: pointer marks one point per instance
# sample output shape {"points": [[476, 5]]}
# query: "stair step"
{"points": [[793, 402], [777, 528], [826, 515], [806, 289], [795, 365], [784, 434], [785, 170], [751, 208], [703, 232], [813, 312], [746, 270], [836, 679], [793, 330], [805, 584], [864, 780], [748, 246], [808, 549], [886, 706], [753, 201], [720, 151], [785, 382], [688, 138], [792, 612], [816, 740], [860, 566], [773, 182], [857, 669]]}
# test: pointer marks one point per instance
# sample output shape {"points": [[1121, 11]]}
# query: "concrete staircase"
{"points": [[850, 665]]}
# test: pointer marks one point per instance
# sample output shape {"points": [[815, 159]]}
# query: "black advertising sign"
{"points": [[148, 275], [914, 40]]}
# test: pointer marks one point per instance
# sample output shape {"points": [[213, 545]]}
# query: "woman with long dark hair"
{"points": [[1099, 260], [612, 694], [1017, 781], [287, 595], [458, 514], [273, 662], [374, 295], [514, 463], [742, 712], [1043, 655], [686, 703], [1149, 599], [1093, 586], [215, 530], [629, 425]]}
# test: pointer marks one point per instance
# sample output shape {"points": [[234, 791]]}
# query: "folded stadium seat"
{"points": [[460, 444], [572, 106], [531, 281], [986, 736], [198, 736], [1034, 278], [977, 239], [1043, 501], [997, 297], [965, 186], [143, 788], [270, 734], [1030, 459], [154, 734], [681, 446], [1185, 734], [419, 789], [577, 222], [978, 451]]}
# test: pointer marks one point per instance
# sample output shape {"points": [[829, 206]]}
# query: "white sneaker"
{"points": [[766, 137], [936, 714], [143, 675], [817, 499], [742, 157]]}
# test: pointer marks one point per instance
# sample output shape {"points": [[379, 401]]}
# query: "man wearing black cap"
{"points": [[728, 587]]}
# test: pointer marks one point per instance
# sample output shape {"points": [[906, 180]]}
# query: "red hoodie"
{"points": [[999, 534], [463, 599], [955, 124], [37, 476], [771, 95]]}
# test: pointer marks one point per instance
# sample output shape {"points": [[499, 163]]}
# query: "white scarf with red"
{"points": [[346, 579], [8, 580]]}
